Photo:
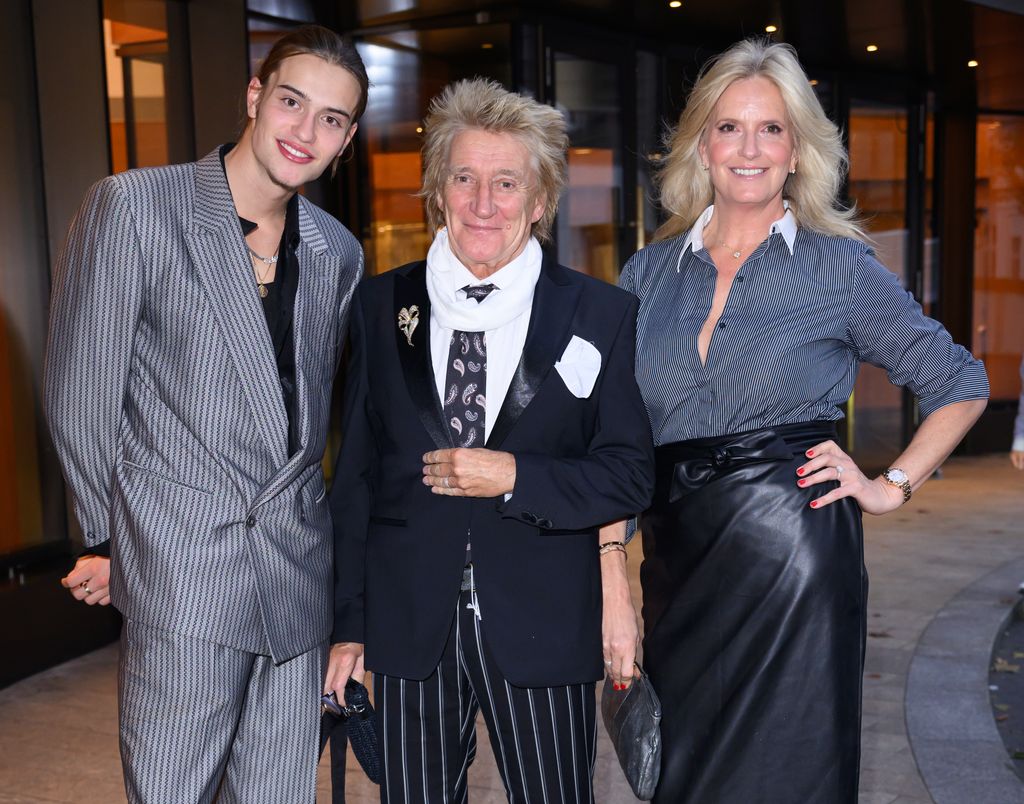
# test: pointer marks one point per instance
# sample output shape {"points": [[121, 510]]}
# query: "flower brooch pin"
{"points": [[408, 320]]}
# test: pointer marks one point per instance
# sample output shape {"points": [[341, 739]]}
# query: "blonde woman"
{"points": [[758, 302]]}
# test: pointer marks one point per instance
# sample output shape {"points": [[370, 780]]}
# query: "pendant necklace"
{"points": [[261, 282], [735, 251]]}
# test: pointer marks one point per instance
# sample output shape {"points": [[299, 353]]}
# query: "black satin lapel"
{"points": [[554, 305], [411, 291]]}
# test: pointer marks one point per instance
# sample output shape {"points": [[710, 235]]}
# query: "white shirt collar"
{"points": [[785, 226]]}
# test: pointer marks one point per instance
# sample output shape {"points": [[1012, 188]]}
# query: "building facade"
{"points": [[930, 95]]}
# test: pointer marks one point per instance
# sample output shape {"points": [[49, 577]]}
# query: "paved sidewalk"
{"points": [[58, 731]]}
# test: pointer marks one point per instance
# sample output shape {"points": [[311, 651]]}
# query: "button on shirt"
{"points": [[804, 311], [504, 344]]}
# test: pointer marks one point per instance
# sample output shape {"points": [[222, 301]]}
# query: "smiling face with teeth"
{"points": [[749, 146], [301, 120]]}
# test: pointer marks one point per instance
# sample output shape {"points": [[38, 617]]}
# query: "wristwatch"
{"points": [[897, 477]]}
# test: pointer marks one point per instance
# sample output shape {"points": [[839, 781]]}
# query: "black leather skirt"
{"points": [[754, 622]]}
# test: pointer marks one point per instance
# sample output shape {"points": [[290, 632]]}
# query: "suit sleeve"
{"points": [[615, 479], [350, 494], [345, 304], [94, 313]]}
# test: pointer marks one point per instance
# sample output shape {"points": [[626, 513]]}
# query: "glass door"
{"points": [[592, 231], [999, 253], [877, 425]]}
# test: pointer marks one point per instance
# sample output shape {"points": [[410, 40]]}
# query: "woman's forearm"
{"points": [[936, 438]]}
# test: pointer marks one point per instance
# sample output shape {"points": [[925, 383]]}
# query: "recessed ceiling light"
{"points": [[814, 82], [675, 4], [771, 28], [419, 129], [871, 48], [487, 46], [972, 63]]}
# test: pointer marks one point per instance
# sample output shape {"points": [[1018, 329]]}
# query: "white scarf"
{"points": [[514, 294]]}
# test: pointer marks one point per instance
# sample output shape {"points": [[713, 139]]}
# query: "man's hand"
{"points": [[345, 660], [90, 580], [470, 472]]}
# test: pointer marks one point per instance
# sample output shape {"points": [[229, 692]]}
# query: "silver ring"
{"points": [[85, 586], [839, 472], [608, 663], [445, 478]]}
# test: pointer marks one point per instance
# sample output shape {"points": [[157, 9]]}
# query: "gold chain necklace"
{"points": [[735, 251], [261, 281]]}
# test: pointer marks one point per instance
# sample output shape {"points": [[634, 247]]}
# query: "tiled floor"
{"points": [[58, 732]]}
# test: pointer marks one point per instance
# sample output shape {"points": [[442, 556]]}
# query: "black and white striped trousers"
{"points": [[544, 738]]}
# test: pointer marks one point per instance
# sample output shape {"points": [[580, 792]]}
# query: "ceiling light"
{"points": [[814, 82], [771, 28], [675, 4], [419, 129], [972, 63], [487, 46], [871, 48]]}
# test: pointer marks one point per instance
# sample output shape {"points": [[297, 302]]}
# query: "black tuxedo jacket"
{"points": [[400, 549]]}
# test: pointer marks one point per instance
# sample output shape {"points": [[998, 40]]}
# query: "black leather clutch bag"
{"points": [[633, 720], [358, 721]]}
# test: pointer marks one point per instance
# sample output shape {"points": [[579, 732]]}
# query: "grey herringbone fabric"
{"points": [[165, 405], [233, 711]]}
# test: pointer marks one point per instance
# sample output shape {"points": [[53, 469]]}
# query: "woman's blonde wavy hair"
{"points": [[485, 105], [812, 191]]}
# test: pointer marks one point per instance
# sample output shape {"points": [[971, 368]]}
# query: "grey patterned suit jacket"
{"points": [[164, 401]]}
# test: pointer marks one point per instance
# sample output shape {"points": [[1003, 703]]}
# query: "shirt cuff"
{"points": [[101, 549], [971, 383], [1018, 444]]}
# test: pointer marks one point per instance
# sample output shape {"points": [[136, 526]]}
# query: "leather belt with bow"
{"points": [[689, 465]]}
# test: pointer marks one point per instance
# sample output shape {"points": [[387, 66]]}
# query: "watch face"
{"points": [[896, 476]]}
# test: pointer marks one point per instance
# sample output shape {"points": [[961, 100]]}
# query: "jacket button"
{"points": [[250, 522]]}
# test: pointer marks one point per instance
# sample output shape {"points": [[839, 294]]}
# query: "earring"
{"points": [[703, 167], [792, 172]]}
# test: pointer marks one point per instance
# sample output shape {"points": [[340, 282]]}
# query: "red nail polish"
{"points": [[810, 453], [801, 482], [800, 471], [814, 503]]}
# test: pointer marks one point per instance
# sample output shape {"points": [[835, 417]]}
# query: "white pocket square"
{"points": [[579, 366]]}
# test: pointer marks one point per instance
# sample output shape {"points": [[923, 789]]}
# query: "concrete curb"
{"points": [[950, 726]]}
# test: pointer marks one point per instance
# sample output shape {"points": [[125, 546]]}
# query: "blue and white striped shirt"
{"points": [[794, 330]]}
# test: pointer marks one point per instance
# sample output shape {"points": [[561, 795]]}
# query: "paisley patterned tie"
{"points": [[465, 399]]}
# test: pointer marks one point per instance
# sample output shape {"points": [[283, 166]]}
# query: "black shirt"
{"points": [[279, 305]]}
